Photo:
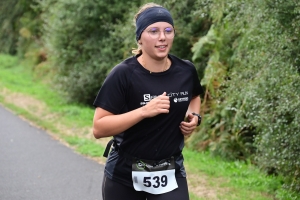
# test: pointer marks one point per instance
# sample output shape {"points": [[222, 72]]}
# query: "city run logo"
{"points": [[177, 97]]}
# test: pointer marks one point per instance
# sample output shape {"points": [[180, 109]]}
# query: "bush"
{"points": [[225, 130], [279, 119], [78, 42], [19, 26], [253, 85]]}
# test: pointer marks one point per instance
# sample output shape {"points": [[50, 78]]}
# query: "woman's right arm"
{"points": [[107, 124]]}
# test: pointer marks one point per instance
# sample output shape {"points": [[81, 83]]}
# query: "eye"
{"points": [[168, 30], [153, 30]]}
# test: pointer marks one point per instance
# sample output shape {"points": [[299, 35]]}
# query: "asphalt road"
{"points": [[34, 166]]}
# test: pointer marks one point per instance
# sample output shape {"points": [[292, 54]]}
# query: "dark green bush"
{"points": [[225, 130], [253, 85], [78, 43], [278, 142], [19, 26], [8, 32]]}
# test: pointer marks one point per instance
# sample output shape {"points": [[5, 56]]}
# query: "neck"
{"points": [[153, 65]]}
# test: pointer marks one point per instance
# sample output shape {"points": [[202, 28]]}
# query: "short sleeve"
{"points": [[112, 94]]}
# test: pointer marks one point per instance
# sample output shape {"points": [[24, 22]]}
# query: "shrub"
{"points": [[253, 85], [19, 26], [78, 42]]}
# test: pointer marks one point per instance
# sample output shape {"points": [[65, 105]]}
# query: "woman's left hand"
{"points": [[188, 127]]}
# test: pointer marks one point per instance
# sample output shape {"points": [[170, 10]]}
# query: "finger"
{"points": [[184, 128], [189, 124], [184, 132], [193, 121], [190, 115], [164, 111], [164, 96], [163, 103], [188, 127]]}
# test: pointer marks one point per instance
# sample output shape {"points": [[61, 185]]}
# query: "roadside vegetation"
{"points": [[57, 53]]}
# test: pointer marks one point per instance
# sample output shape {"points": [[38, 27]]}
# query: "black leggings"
{"points": [[112, 190]]}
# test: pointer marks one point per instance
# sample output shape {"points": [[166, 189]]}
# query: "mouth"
{"points": [[161, 47]]}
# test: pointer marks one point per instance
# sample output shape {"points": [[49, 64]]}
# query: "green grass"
{"points": [[18, 77], [248, 182], [240, 173], [228, 180], [85, 146]]}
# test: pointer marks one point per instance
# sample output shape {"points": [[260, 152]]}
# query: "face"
{"points": [[157, 39]]}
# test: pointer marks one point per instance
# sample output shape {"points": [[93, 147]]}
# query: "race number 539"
{"points": [[155, 177], [156, 182]]}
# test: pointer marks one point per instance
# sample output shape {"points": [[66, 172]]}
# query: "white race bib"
{"points": [[154, 177]]}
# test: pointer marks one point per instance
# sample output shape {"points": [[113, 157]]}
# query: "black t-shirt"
{"points": [[130, 86]]}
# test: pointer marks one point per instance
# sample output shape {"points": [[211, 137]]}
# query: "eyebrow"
{"points": [[158, 28]]}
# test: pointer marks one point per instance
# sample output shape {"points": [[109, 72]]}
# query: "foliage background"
{"points": [[246, 54]]}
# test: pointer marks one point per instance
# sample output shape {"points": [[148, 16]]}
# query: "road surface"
{"points": [[34, 166]]}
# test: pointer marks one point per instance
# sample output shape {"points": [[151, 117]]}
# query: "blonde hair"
{"points": [[138, 50]]}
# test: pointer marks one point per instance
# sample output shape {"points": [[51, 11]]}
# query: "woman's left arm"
{"points": [[189, 126]]}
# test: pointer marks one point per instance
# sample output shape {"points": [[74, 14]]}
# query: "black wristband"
{"points": [[199, 118]]}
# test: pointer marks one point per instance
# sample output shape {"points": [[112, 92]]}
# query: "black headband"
{"points": [[151, 16]]}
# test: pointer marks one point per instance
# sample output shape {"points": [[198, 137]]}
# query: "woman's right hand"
{"points": [[108, 124], [158, 105]]}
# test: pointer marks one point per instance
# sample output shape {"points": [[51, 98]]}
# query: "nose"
{"points": [[162, 35]]}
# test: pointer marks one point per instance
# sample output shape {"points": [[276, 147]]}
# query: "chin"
{"points": [[162, 55]]}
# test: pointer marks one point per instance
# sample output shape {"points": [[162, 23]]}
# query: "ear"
{"points": [[140, 42]]}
